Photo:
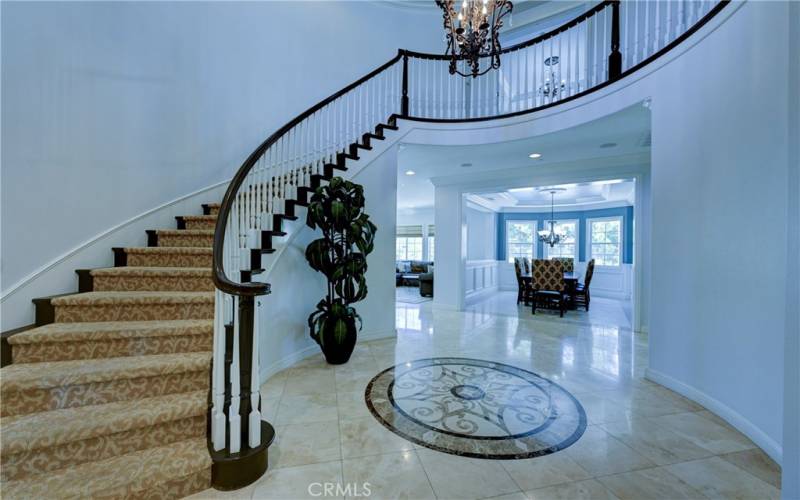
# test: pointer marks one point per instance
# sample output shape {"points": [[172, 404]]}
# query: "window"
{"points": [[605, 241], [520, 239], [569, 245], [408, 248]]}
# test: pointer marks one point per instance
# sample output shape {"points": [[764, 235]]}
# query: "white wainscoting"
{"points": [[481, 277], [610, 282]]}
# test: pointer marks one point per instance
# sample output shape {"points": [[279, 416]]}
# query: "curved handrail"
{"points": [[225, 284], [221, 280]]}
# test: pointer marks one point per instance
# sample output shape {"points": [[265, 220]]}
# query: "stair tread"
{"points": [[20, 377], [185, 232], [130, 298], [110, 330], [198, 217], [52, 428], [117, 476], [173, 250], [183, 272]]}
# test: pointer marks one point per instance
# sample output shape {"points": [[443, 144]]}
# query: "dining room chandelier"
{"points": [[552, 237], [472, 31]]}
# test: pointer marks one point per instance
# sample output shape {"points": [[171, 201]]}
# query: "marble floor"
{"points": [[641, 440]]}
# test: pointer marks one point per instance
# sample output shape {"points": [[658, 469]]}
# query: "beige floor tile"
{"points": [[511, 496], [599, 453], [600, 410], [307, 408], [299, 482], [273, 387], [245, 493], [589, 489], [547, 470], [269, 408], [352, 405], [354, 380], [704, 432], [391, 476], [309, 381], [302, 444], [757, 463], [649, 484], [366, 436], [654, 442], [716, 478], [465, 478]]}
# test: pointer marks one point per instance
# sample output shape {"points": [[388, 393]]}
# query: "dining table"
{"points": [[570, 283]]}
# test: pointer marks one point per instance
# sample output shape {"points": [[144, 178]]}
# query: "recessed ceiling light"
{"points": [[410, 172], [466, 165], [535, 156], [608, 145]]}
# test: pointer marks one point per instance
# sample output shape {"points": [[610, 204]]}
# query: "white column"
{"points": [[451, 252]]}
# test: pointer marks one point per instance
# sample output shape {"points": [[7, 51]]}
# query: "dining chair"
{"points": [[527, 263], [568, 262], [582, 289], [548, 285], [523, 288]]}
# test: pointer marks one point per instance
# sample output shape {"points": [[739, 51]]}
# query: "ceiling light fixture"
{"points": [[535, 156], [410, 172], [466, 165], [606, 145], [472, 31], [552, 237]]}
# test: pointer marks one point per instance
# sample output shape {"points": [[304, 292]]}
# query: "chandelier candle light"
{"points": [[552, 237], [473, 32]]}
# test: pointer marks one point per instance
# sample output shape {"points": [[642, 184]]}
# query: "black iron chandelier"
{"points": [[473, 31], [552, 237]]}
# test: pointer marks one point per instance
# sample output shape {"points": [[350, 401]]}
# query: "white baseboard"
{"points": [[766, 443], [472, 297], [312, 349]]}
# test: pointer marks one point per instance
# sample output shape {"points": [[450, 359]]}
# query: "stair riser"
{"points": [[169, 260], [176, 488], [47, 459], [153, 284], [201, 224], [135, 312], [185, 240], [95, 393], [115, 348]]}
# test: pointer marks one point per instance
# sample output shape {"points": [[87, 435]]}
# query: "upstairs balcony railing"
{"points": [[602, 45]]}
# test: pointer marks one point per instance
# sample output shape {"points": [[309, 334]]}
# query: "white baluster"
{"points": [[254, 429], [218, 374], [234, 419]]}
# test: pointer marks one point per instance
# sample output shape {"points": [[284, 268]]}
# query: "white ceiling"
{"points": [[624, 133], [606, 193]]}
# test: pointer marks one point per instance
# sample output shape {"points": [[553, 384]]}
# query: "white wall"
{"points": [[717, 306], [111, 109], [481, 233]]}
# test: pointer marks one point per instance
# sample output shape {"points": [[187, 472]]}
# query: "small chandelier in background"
{"points": [[551, 90], [552, 237], [473, 31]]}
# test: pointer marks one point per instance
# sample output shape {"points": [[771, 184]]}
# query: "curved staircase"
{"points": [[109, 398]]}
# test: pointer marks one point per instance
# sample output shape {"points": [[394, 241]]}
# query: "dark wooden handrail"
{"points": [[221, 280], [252, 289]]}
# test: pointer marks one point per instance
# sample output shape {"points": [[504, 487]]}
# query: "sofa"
{"points": [[407, 271]]}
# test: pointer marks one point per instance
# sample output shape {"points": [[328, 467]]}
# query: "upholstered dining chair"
{"points": [[567, 262], [548, 285], [582, 289], [527, 263]]}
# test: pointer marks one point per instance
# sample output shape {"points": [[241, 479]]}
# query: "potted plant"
{"points": [[341, 255]]}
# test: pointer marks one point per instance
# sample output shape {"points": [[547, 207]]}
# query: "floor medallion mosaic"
{"points": [[475, 408]]}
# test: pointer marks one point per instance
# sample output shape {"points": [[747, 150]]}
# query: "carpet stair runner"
{"points": [[110, 399]]}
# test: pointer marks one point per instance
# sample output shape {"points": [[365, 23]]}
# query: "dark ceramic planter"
{"points": [[338, 353]]}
